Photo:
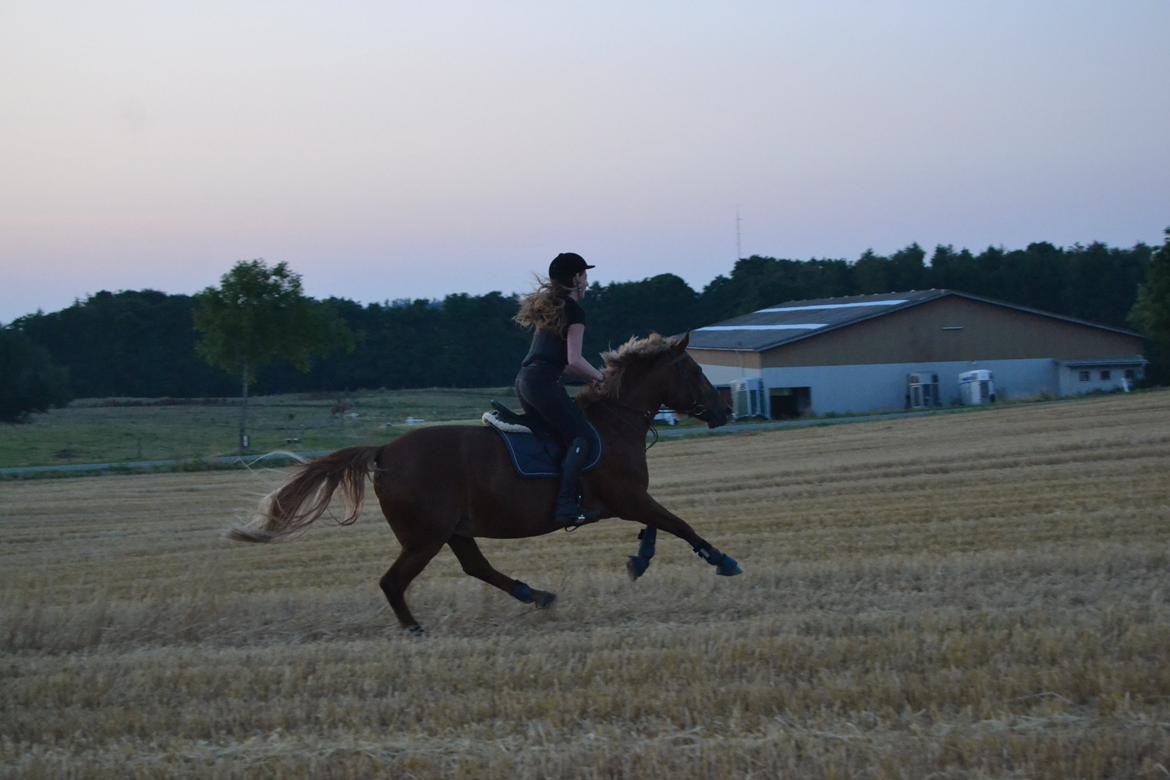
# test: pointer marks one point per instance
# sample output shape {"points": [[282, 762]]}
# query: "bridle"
{"points": [[697, 409], [646, 417]]}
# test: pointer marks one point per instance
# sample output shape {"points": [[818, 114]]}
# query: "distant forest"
{"points": [[142, 343]]}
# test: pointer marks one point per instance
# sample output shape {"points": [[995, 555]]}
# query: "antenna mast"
{"points": [[738, 239]]}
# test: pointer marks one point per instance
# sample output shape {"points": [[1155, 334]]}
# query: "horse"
{"points": [[447, 485]]}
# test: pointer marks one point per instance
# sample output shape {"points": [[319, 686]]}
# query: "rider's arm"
{"points": [[577, 365]]}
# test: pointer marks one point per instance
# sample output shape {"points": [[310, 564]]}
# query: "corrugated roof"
{"points": [[795, 320], [1136, 360], [775, 325]]}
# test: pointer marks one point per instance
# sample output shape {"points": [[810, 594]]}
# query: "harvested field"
{"points": [[974, 595]]}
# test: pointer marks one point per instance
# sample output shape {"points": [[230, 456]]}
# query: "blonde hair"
{"points": [[544, 307]]}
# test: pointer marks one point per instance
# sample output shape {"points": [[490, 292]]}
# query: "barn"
{"points": [[918, 349]]}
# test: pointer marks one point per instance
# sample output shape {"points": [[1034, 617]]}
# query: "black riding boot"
{"points": [[569, 512]]}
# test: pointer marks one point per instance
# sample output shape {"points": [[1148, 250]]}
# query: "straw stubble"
{"points": [[978, 595]]}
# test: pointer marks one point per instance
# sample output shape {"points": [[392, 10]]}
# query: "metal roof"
{"points": [[795, 320], [1136, 360]]}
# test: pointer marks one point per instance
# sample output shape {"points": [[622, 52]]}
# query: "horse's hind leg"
{"points": [[473, 562], [395, 581]]}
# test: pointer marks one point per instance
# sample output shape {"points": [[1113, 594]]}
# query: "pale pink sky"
{"points": [[392, 150]]}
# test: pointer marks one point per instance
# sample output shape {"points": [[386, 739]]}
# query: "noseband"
{"points": [[697, 409], [700, 411]]}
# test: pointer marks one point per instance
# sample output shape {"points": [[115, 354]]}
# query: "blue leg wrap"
{"points": [[724, 564], [728, 567], [522, 592], [638, 564], [648, 535]]}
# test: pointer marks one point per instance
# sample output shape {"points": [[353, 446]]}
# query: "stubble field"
{"points": [[975, 595]]}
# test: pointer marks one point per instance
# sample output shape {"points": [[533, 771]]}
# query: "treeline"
{"points": [[142, 343]]}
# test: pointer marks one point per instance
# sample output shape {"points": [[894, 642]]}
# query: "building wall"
{"points": [[863, 367], [1070, 381], [724, 375], [882, 387], [952, 329], [873, 388]]}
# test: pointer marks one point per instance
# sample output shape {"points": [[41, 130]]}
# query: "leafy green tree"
{"points": [[142, 343], [1038, 276], [907, 269], [259, 315], [29, 382], [127, 343], [664, 303], [953, 270], [1151, 313], [872, 273]]}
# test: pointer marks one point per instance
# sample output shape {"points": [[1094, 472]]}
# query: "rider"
{"points": [[554, 313]]}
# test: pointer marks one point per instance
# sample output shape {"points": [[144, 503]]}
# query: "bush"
{"points": [[29, 382]]}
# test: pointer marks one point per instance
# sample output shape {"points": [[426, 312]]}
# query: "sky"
{"points": [[396, 149]]}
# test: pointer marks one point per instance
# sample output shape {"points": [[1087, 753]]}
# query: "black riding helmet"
{"points": [[565, 266]]}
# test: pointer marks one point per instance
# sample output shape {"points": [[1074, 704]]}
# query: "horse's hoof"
{"points": [[543, 599], [636, 566], [728, 567], [415, 630]]}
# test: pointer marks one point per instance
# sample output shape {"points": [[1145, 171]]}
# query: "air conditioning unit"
{"points": [[922, 391], [976, 387], [749, 398]]}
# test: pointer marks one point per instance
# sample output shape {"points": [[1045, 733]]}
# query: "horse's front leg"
{"points": [[645, 509], [638, 564]]}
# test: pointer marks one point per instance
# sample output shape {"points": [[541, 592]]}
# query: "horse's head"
{"points": [[645, 373], [688, 390]]}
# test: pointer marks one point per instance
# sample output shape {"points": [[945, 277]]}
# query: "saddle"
{"points": [[534, 451]]}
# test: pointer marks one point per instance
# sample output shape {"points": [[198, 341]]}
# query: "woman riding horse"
{"points": [[447, 484], [554, 313]]}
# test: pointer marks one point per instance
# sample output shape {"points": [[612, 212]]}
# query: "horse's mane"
{"points": [[636, 351]]}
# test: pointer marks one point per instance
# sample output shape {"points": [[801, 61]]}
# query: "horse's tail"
{"points": [[306, 497]]}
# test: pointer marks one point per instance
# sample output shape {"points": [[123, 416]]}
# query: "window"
{"points": [[1084, 376], [1129, 374], [1105, 374]]}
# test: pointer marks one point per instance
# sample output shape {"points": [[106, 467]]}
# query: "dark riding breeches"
{"points": [[542, 396]]}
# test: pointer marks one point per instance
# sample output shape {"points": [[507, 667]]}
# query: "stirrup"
{"points": [[583, 517]]}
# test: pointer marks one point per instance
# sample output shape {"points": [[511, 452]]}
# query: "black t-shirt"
{"points": [[553, 348]]}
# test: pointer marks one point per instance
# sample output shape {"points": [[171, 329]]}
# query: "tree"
{"points": [[127, 343], [872, 273], [907, 270], [29, 382], [664, 303], [259, 315], [1151, 313]]}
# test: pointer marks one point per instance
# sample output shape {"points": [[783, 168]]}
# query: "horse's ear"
{"points": [[680, 342]]}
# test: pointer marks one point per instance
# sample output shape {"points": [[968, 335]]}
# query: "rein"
{"points": [[647, 418], [697, 409]]}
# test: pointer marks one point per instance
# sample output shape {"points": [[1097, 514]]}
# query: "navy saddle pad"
{"points": [[537, 456]]}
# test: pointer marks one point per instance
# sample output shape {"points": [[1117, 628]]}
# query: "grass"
{"points": [[959, 596], [119, 430]]}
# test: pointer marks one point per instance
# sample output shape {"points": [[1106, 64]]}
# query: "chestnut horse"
{"points": [[447, 485]]}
